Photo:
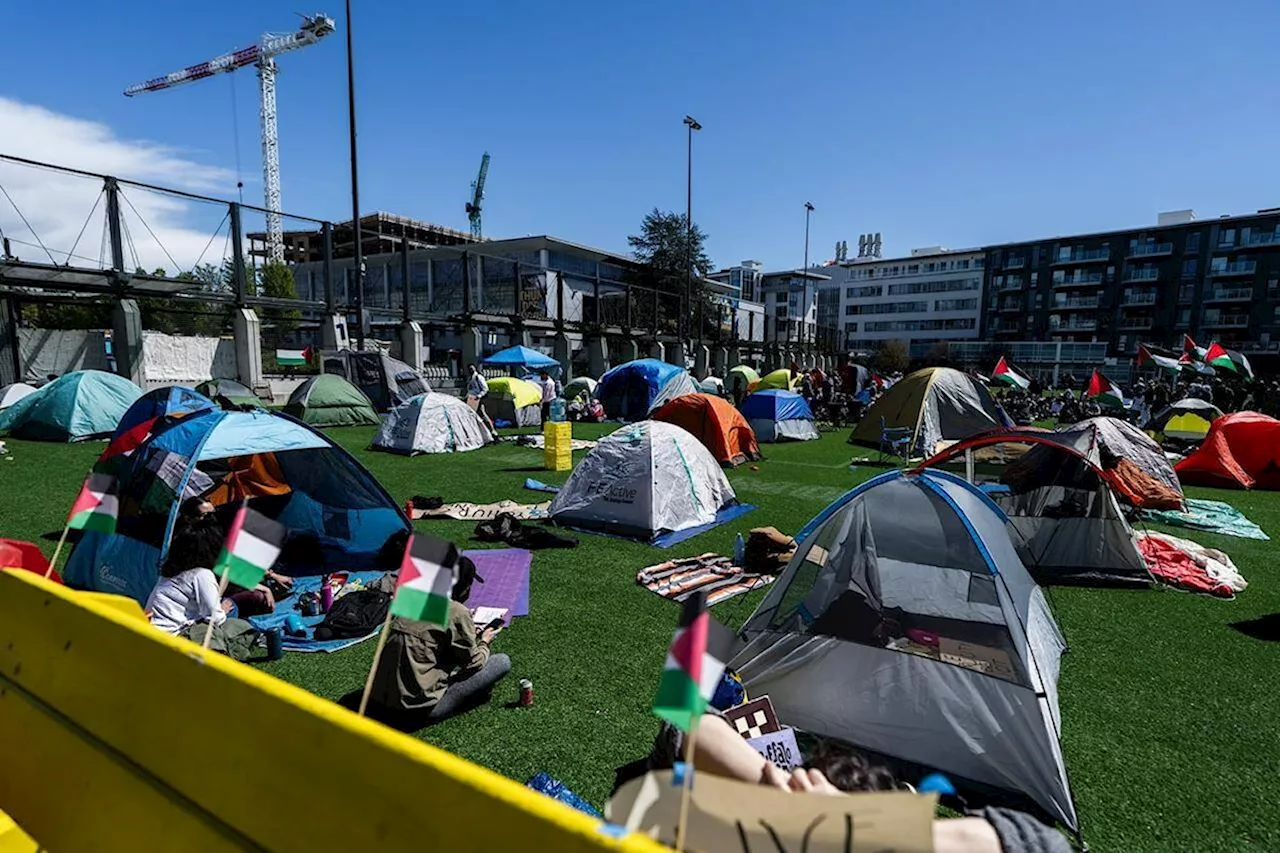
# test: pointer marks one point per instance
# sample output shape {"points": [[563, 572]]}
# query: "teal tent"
{"points": [[78, 406]]}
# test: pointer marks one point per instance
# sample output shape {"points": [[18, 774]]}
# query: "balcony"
{"points": [[1229, 294], [1149, 250], [1014, 263], [1005, 326], [1012, 283], [1076, 326], [1140, 275], [1233, 268], [1089, 280], [1079, 303], [1136, 323], [1011, 307], [1138, 298], [1083, 256], [1225, 321]]}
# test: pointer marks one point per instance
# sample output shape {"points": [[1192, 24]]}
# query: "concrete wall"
{"points": [[58, 351]]}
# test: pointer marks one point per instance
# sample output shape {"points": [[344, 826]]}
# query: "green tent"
{"points": [[228, 393], [328, 400]]}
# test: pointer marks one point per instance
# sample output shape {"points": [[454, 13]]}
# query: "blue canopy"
{"points": [[518, 356], [74, 407], [631, 391], [775, 405]]}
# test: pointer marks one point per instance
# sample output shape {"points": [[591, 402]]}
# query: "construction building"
{"points": [[380, 233]]}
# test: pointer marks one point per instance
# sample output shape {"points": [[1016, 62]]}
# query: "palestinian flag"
{"points": [[1163, 362], [293, 357], [1191, 351], [878, 381], [1188, 363], [252, 546], [1217, 356], [1006, 374], [96, 507], [1104, 390], [426, 580], [695, 662]]}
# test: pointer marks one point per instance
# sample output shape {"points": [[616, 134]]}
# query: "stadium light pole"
{"points": [[358, 258], [691, 123], [808, 209]]}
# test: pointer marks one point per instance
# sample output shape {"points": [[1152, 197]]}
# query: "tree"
{"points": [[892, 357], [665, 249], [277, 282]]}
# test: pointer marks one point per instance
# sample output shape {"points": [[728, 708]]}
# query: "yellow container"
{"points": [[557, 454]]}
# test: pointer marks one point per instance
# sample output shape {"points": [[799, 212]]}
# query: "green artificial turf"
{"points": [[1170, 715]]}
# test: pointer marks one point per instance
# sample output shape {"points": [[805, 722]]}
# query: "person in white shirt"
{"points": [[180, 601], [548, 394], [477, 389]]}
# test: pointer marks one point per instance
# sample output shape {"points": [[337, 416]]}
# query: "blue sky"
{"points": [[953, 123]]}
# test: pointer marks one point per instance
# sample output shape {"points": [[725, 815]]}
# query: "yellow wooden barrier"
{"points": [[115, 737]]}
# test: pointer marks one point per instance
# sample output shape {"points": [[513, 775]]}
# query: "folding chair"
{"points": [[895, 441]]}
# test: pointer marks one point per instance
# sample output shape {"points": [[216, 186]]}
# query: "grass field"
{"points": [[1171, 728]]}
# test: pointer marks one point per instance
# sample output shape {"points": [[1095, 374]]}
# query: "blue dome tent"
{"points": [[778, 415], [74, 407], [518, 356], [174, 401], [631, 391], [288, 471]]}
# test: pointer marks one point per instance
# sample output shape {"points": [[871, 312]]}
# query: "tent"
{"points": [[711, 385], [740, 379], [386, 381], [779, 380], [329, 400], [633, 390], [74, 407], [515, 401], [779, 415], [715, 423], [906, 624], [937, 404], [1185, 420], [1241, 451], [11, 394], [17, 554], [578, 385], [642, 480], [338, 515], [522, 357], [432, 423], [1064, 516], [228, 393], [149, 411]]}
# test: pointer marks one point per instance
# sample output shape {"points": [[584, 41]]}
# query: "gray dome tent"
{"points": [[432, 423], [386, 381]]}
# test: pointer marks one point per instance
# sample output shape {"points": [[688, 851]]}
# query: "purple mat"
{"points": [[506, 580]]}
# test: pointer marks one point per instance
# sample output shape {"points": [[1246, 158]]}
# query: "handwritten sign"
{"points": [[725, 815], [779, 748], [980, 658]]}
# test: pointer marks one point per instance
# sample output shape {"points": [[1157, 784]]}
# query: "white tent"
{"points": [[432, 423], [907, 625], [11, 394], [642, 480]]}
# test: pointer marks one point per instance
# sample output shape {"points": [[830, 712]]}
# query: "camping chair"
{"points": [[895, 441]]}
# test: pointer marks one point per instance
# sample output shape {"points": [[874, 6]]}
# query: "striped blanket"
{"points": [[712, 573]]}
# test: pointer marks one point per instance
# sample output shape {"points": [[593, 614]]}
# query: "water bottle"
{"points": [[739, 550], [557, 410]]}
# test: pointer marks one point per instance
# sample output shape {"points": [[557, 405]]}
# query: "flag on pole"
{"points": [[1189, 363], [426, 580], [1217, 356], [293, 357], [1104, 390], [252, 546], [1192, 352], [695, 662], [96, 507], [1163, 362], [878, 381], [1006, 374]]}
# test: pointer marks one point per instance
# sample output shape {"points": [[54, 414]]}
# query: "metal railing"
{"points": [[1074, 304], [1146, 297], [1083, 256], [1141, 275], [1148, 249], [1079, 280], [1229, 294], [1233, 268], [1225, 321]]}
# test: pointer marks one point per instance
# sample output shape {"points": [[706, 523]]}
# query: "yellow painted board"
{"points": [[95, 699], [13, 839]]}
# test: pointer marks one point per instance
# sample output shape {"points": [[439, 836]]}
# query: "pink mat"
{"points": [[506, 579]]}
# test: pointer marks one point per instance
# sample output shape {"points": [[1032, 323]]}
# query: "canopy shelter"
{"points": [[228, 393], [1241, 451], [715, 423], [515, 401], [328, 400], [633, 390], [522, 357], [779, 416], [580, 385], [643, 480], [11, 394], [432, 423], [1186, 420], [936, 404], [337, 514], [386, 381], [74, 407], [906, 624]]}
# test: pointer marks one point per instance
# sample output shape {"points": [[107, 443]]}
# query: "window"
{"points": [[935, 286], [1035, 277], [1193, 241], [851, 327], [913, 268], [1273, 288], [886, 308], [920, 325], [1039, 301], [1186, 292], [1275, 313], [1184, 316], [955, 304], [862, 292], [1189, 268], [1123, 343], [1226, 237]]}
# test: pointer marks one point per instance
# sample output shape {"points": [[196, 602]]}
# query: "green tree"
{"points": [[666, 248], [892, 357], [277, 282]]}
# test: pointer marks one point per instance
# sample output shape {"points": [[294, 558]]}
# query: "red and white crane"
{"points": [[263, 56]]}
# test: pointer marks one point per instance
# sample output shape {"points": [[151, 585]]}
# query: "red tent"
{"points": [[16, 554], [1241, 451]]}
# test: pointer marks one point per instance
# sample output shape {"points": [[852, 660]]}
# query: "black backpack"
{"points": [[356, 614]]}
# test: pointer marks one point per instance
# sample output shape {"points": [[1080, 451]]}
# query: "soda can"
{"points": [[275, 643], [526, 693]]}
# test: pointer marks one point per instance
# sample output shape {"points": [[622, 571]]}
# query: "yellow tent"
{"points": [[780, 380], [514, 400], [1187, 427]]}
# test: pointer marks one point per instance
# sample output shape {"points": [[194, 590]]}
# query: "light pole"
{"points": [[693, 125], [808, 209], [358, 259]]}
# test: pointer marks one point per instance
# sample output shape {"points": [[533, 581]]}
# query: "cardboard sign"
{"points": [[726, 816], [779, 748], [980, 658], [754, 718]]}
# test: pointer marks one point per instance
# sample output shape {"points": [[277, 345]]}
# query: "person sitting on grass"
{"points": [[428, 672], [198, 522]]}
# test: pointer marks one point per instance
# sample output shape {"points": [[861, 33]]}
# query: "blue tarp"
{"points": [[631, 391], [173, 401], [775, 405], [521, 357], [80, 405]]}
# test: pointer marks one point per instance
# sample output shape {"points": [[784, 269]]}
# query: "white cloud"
{"points": [[57, 206]]}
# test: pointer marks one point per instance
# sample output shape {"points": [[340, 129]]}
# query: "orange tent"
{"points": [[714, 422], [1241, 451]]}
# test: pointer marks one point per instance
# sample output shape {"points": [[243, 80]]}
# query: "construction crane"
{"points": [[477, 196], [262, 55]]}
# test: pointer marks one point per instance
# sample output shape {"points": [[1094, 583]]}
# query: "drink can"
{"points": [[526, 693], [275, 643], [326, 595]]}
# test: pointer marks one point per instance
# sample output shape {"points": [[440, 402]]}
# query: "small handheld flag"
{"points": [[1006, 374], [695, 662], [252, 546], [1104, 390], [96, 507], [426, 580]]}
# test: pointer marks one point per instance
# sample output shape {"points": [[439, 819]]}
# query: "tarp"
{"points": [[643, 480], [780, 379], [186, 359], [228, 393], [1241, 451], [937, 404], [329, 400], [11, 394], [1211, 516], [777, 415], [432, 423], [906, 624], [386, 381], [633, 390], [1189, 566], [79, 406], [716, 424], [520, 356], [513, 400]]}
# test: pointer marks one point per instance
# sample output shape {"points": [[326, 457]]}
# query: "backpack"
{"points": [[356, 614]]}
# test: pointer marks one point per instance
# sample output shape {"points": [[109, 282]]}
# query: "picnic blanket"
{"points": [[480, 512], [1190, 566], [717, 576], [506, 580], [538, 441], [1211, 516], [287, 607]]}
